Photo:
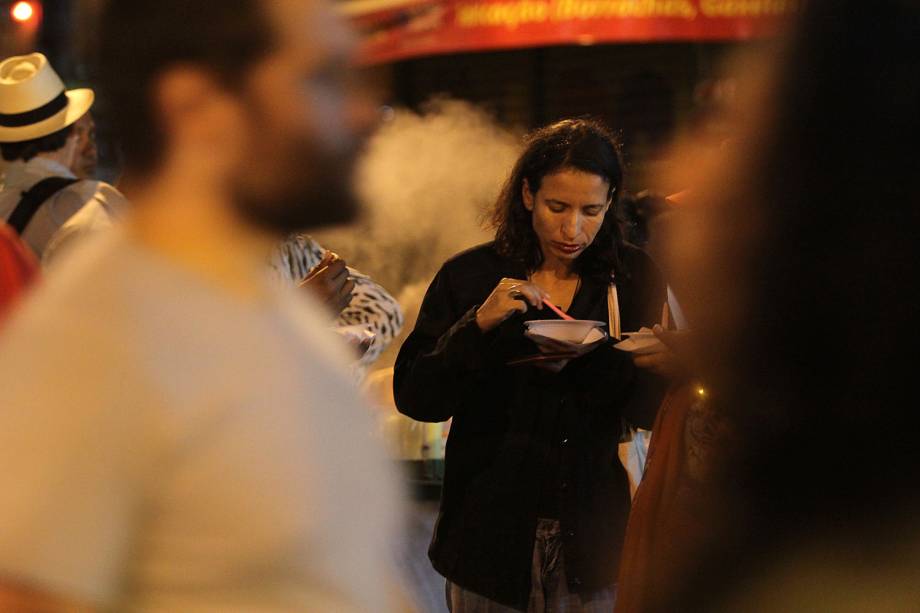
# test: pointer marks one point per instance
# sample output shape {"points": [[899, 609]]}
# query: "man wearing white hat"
{"points": [[41, 146]]}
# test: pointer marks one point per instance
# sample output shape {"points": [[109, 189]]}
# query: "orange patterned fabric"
{"points": [[662, 522]]}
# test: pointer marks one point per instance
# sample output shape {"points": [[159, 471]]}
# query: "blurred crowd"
{"points": [[657, 402]]}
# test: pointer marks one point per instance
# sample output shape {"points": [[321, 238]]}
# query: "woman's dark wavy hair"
{"points": [[580, 144]]}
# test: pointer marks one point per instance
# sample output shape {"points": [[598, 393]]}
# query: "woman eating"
{"points": [[535, 500]]}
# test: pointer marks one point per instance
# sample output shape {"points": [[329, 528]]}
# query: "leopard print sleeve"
{"points": [[374, 308], [371, 305], [294, 258]]}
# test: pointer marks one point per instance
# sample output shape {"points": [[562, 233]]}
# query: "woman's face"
{"points": [[568, 211]]}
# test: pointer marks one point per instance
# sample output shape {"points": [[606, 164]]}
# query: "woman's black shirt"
{"points": [[526, 443]]}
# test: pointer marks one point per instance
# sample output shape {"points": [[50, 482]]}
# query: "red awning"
{"points": [[401, 29]]}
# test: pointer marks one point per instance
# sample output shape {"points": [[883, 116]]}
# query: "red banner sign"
{"points": [[400, 29]]}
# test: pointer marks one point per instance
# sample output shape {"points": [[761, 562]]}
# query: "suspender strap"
{"points": [[33, 199], [613, 309]]}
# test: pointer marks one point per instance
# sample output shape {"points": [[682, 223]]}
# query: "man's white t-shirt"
{"points": [[19, 177], [168, 446], [99, 215]]}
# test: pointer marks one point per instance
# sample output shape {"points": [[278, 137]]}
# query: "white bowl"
{"points": [[573, 331]]}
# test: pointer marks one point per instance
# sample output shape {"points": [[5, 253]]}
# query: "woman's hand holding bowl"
{"points": [[570, 350], [565, 350]]}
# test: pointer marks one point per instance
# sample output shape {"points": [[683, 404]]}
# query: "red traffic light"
{"points": [[23, 11]]}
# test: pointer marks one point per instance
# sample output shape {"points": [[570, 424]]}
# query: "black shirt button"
{"points": [[571, 533], [564, 486], [565, 441], [576, 581]]}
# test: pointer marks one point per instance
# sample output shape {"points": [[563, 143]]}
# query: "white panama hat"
{"points": [[33, 100]]}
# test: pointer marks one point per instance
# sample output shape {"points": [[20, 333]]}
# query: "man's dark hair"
{"points": [[28, 149], [635, 213], [141, 39], [578, 144]]}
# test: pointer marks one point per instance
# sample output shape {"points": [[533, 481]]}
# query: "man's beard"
{"points": [[309, 191]]}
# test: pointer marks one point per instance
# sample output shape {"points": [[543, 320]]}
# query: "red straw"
{"points": [[558, 311]]}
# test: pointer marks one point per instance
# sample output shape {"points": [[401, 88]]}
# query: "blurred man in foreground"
{"points": [[178, 435]]}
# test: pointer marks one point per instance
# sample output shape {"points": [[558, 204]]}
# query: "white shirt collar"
{"points": [[21, 173]]}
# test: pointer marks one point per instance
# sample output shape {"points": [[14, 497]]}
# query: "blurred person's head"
{"points": [[797, 262], [637, 213], [255, 98], [557, 202], [86, 156], [632, 225], [713, 101]]}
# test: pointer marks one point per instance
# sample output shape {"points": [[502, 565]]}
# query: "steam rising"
{"points": [[426, 181]]}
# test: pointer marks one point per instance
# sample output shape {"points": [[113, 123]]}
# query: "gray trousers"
{"points": [[549, 592]]}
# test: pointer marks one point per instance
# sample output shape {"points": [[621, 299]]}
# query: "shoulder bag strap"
{"points": [[33, 198], [613, 309]]}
